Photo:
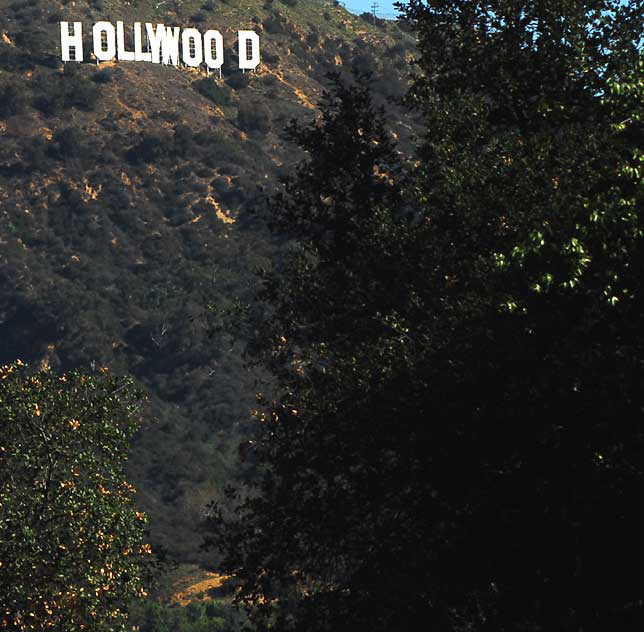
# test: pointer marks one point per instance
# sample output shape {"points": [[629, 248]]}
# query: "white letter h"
{"points": [[75, 41]]}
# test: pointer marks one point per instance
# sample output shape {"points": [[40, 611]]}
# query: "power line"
{"points": [[374, 9]]}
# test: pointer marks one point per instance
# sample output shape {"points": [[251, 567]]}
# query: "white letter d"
{"points": [[246, 62]]}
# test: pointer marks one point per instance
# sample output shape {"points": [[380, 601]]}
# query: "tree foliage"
{"points": [[457, 437], [72, 553], [327, 336], [208, 615]]}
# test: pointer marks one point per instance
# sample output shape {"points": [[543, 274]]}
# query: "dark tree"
{"points": [[457, 441]]}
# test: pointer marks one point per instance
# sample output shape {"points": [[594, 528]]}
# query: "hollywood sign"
{"points": [[162, 45]]}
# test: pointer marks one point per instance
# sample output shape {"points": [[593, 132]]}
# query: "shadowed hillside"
{"points": [[123, 191]]}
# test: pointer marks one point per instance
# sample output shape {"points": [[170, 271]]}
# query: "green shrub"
{"points": [[273, 25], [254, 117], [12, 100], [209, 88], [104, 75], [82, 93], [13, 59], [198, 616], [67, 143], [57, 92], [238, 81], [150, 148]]}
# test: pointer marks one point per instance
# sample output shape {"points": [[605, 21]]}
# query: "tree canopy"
{"points": [[456, 439], [72, 548]]}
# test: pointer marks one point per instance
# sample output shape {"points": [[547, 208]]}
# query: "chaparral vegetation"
{"points": [[382, 293]]}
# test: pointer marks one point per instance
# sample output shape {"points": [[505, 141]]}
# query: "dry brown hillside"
{"points": [[124, 197]]}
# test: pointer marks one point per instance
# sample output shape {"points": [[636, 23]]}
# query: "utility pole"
{"points": [[374, 8]]}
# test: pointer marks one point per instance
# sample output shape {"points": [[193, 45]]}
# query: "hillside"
{"points": [[124, 191]]}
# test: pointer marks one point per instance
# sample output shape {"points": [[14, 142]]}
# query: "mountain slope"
{"points": [[123, 196]]}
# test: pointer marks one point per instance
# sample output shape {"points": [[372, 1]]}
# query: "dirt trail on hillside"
{"points": [[186, 595]]}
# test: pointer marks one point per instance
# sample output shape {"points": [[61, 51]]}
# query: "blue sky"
{"points": [[358, 6]]}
